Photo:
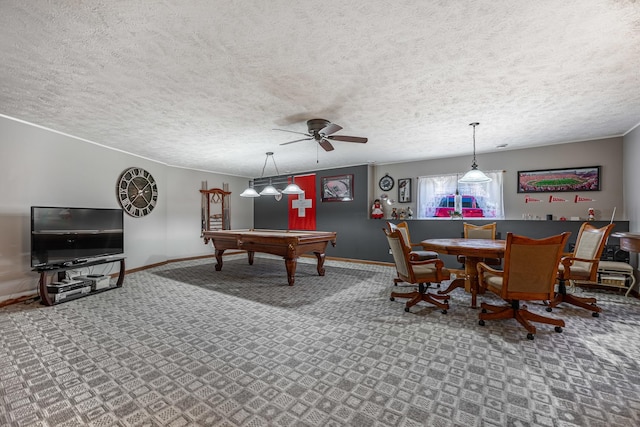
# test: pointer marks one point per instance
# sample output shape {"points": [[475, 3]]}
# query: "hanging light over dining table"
{"points": [[475, 175]]}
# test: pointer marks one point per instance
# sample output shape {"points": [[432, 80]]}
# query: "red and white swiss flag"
{"points": [[302, 207]]}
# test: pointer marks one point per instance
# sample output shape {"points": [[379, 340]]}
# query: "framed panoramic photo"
{"points": [[337, 188], [557, 180], [404, 190]]}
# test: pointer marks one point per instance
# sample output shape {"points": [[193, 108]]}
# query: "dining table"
{"points": [[474, 251]]}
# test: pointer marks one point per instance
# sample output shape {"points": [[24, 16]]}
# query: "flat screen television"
{"points": [[63, 235]]}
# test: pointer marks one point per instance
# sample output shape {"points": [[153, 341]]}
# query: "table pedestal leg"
{"points": [[458, 282], [250, 255], [471, 282]]}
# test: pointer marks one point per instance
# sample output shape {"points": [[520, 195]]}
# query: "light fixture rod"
{"points": [[269, 154], [474, 165]]}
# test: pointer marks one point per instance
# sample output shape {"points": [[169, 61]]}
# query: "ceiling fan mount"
{"points": [[322, 130]]}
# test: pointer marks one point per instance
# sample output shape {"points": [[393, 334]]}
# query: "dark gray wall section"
{"points": [[360, 237]]}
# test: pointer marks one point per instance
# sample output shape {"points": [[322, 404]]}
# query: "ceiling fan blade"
{"points": [[329, 129], [297, 140], [324, 143], [293, 131], [346, 138]]}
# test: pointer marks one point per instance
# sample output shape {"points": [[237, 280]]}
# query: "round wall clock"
{"points": [[386, 183], [137, 192]]}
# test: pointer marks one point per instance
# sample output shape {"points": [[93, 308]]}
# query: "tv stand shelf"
{"points": [[60, 271]]}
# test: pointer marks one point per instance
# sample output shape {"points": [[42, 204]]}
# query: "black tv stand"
{"points": [[61, 270]]}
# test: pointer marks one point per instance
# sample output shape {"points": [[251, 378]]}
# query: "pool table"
{"points": [[289, 244]]}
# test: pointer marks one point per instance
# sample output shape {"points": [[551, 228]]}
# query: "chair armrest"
{"points": [[482, 267], [568, 261], [414, 261], [440, 274]]}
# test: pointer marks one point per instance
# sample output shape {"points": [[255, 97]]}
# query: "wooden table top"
{"points": [[628, 241], [481, 248]]}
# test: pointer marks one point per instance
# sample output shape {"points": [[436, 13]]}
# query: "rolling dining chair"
{"points": [[582, 266], [416, 272], [486, 231], [420, 254], [530, 271]]}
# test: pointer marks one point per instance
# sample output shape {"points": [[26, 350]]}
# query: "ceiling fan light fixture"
{"points": [[322, 130], [475, 175]]}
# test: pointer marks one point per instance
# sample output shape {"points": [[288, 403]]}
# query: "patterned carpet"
{"points": [[184, 345]]}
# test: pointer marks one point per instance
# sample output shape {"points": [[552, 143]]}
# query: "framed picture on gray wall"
{"points": [[404, 190], [556, 180], [337, 188]]}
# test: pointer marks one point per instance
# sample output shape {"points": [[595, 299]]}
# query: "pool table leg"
{"points": [[291, 264], [219, 253], [320, 256]]}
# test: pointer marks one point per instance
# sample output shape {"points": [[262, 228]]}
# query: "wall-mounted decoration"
{"points": [[214, 210], [386, 183], [557, 180], [337, 188], [137, 192], [404, 190]]}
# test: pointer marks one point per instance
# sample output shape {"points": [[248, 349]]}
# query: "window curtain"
{"points": [[432, 189]]}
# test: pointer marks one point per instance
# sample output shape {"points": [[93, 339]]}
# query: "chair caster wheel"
{"points": [[406, 309], [481, 322], [529, 336], [595, 314], [558, 329], [444, 311], [484, 310], [446, 301], [548, 309], [392, 299]]}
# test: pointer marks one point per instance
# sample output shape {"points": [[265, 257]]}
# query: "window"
{"points": [[436, 196]]}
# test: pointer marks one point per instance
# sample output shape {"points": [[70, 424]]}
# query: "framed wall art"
{"points": [[557, 180], [337, 188], [404, 190]]}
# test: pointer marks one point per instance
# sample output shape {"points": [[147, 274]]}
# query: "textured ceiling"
{"points": [[202, 83]]}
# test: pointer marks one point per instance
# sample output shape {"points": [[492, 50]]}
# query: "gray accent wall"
{"points": [[360, 237]]}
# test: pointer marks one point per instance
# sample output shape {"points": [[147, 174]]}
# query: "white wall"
{"points": [[607, 153], [631, 174], [41, 167]]}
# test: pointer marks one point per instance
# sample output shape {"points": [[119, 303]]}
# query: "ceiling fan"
{"points": [[322, 131]]}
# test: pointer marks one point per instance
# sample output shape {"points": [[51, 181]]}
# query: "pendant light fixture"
{"points": [[292, 188], [250, 191], [270, 190], [474, 175]]}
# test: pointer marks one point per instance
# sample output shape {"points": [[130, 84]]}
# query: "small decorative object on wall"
{"points": [[557, 180], [404, 190], [376, 210], [337, 188], [137, 192], [386, 183]]}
